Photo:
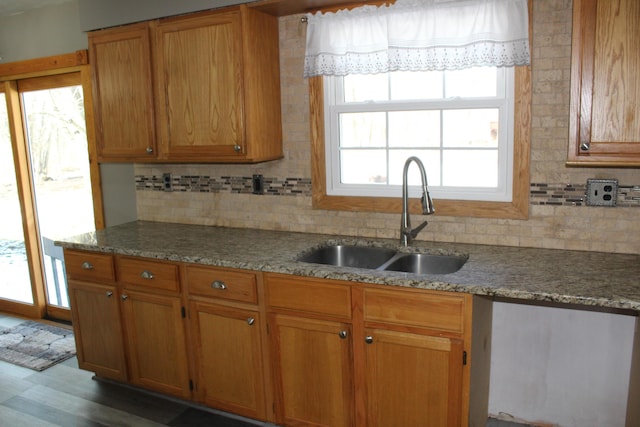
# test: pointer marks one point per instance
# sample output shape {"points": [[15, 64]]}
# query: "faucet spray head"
{"points": [[427, 203]]}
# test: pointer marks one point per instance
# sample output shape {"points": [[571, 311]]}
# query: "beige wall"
{"points": [[564, 227]]}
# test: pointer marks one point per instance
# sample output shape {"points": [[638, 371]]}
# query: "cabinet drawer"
{"points": [[221, 283], [310, 295], [89, 266], [149, 274], [427, 310]]}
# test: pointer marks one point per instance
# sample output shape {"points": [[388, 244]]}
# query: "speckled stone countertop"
{"points": [[609, 281]]}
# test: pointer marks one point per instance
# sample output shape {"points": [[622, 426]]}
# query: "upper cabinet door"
{"points": [[604, 127], [123, 93], [200, 86]]}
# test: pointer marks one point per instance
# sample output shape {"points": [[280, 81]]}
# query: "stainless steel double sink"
{"points": [[384, 259]]}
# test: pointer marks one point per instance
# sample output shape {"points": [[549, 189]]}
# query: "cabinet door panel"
{"points": [[605, 86], [413, 380], [156, 342], [200, 85], [229, 358], [98, 330], [123, 95], [313, 371]]}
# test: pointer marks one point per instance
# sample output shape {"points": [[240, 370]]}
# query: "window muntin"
{"points": [[451, 120]]}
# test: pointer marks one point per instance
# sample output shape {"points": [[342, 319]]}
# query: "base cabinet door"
{"points": [[156, 342], [98, 329], [412, 379], [228, 352], [313, 371]]}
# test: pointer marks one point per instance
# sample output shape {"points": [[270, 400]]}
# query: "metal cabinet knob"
{"points": [[124, 297], [146, 275], [251, 321], [86, 265], [368, 339], [237, 148], [149, 150], [585, 146], [109, 294], [343, 334], [218, 284]]}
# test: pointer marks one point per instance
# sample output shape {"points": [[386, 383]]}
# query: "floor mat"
{"points": [[36, 346]]}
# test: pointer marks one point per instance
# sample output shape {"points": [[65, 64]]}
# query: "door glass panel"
{"points": [[57, 139], [15, 283]]}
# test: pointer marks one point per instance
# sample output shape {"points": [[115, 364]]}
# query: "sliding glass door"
{"points": [[49, 187], [59, 158], [15, 282]]}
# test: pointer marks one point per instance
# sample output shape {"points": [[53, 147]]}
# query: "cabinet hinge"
{"points": [[184, 312], [464, 357]]}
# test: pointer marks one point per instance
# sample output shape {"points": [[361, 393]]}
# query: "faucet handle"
{"points": [[419, 228]]}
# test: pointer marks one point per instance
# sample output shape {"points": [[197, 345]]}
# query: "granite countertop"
{"points": [[597, 280]]}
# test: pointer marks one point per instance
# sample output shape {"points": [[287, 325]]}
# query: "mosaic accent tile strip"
{"points": [[540, 193], [575, 195], [226, 184]]}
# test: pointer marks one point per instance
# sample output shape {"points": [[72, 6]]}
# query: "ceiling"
{"points": [[16, 7]]}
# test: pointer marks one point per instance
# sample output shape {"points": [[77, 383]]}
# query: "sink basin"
{"points": [[349, 256], [375, 258], [426, 264]]}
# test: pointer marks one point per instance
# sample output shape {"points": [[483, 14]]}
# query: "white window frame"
{"points": [[504, 101]]}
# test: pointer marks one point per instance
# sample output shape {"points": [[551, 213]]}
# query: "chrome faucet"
{"points": [[406, 233]]}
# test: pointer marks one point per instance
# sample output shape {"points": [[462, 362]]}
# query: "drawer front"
{"points": [[89, 266], [222, 283], [427, 310], [148, 274], [309, 295]]}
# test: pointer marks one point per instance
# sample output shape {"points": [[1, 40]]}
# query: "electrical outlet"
{"points": [[602, 192], [258, 184], [166, 182]]}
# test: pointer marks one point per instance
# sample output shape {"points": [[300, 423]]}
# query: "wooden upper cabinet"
{"points": [[201, 86], [123, 92], [213, 86], [604, 127]]}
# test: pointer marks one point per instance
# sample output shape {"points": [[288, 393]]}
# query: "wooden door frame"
{"points": [[10, 75]]}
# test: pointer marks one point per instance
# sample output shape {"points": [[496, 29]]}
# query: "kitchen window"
{"points": [[470, 124], [516, 208], [459, 123]]}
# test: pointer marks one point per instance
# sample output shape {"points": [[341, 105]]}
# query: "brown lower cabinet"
{"points": [[294, 351], [227, 331], [349, 354]]}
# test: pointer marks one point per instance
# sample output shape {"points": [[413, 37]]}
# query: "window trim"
{"points": [[518, 208]]}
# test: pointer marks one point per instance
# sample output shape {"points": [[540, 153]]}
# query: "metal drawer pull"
{"points": [[109, 294], [368, 339], [146, 275], [343, 334], [87, 265], [218, 284], [251, 321]]}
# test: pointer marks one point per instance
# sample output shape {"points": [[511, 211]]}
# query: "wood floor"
{"points": [[64, 396]]}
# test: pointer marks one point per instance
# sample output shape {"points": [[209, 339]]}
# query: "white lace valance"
{"points": [[413, 35]]}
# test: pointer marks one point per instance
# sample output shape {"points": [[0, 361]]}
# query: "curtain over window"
{"points": [[418, 35]]}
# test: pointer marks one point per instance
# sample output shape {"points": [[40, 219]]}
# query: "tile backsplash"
{"points": [[558, 216]]}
